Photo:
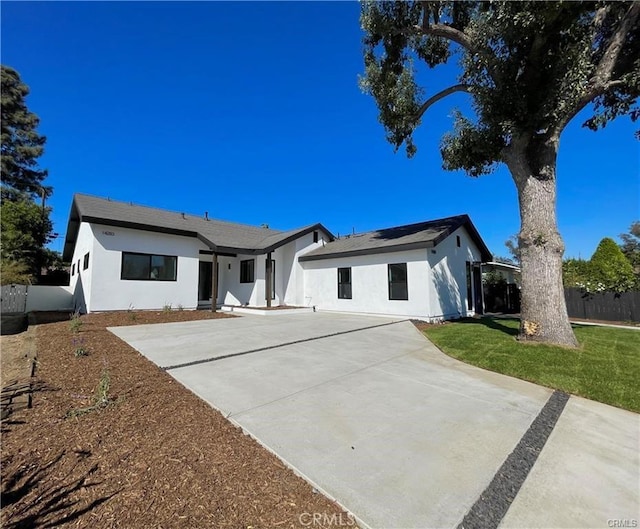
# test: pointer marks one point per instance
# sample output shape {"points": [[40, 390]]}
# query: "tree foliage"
{"points": [[529, 67], [512, 245], [610, 268], [631, 247], [577, 273], [504, 260], [607, 270], [15, 273], [26, 229], [21, 143]]}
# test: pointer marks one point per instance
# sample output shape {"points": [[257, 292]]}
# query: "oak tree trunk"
{"points": [[543, 312]]}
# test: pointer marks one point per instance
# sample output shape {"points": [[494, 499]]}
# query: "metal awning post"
{"points": [[214, 282], [268, 285]]}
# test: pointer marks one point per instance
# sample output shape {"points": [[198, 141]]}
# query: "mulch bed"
{"points": [[155, 457]]}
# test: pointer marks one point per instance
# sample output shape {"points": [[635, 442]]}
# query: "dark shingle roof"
{"points": [[220, 235], [412, 236]]}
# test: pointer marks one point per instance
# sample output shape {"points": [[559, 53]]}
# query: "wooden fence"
{"points": [[607, 306], [13, 298]]}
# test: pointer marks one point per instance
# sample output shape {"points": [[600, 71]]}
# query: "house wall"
{"points": [[80, 280], [104, 288], [369, 284], [448, 276], [230, 290], [437, 282], [289, 280], [100, 287], [294, 276]]}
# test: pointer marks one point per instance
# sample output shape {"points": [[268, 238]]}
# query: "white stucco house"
{"points": [[125, 256]]}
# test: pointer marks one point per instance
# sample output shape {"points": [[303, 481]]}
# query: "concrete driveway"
{"points": [[400, 434]]}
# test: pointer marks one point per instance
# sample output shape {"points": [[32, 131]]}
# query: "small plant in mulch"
{"points": [[180, 307], [79, 347], [133, 316], [166, 307], [76, 323], [101, 398]]}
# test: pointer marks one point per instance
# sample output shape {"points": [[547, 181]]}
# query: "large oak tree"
{"points": [[529, 68]]}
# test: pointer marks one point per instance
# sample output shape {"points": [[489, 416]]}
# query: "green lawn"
{"points": [[606, 368]]}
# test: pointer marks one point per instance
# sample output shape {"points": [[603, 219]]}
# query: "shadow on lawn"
{"points": [[493, 323], [35, 496]]}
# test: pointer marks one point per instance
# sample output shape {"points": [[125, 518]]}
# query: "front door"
{"points": [[204, 280]]}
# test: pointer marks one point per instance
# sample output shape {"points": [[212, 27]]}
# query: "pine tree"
{"points": [[21, 143], [26, 227]]}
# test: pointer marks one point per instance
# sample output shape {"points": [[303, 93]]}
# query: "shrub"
{"points": [[15, 273], [76, 323], [610, 267]]}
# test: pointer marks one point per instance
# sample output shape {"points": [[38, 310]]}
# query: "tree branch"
{"points": [[459, 37], [601, 81], [604, 70], [440, 95], [449, 33], [425, 14]]}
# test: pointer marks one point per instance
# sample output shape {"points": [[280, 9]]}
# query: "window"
{"points": [[344, 283], [246, 271], [458, 241], [315, 236], [73, 269], [85, 264], [398, 281], [469, 285], [142, 266]]}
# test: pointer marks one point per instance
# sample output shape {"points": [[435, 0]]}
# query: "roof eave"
{"points": [[73, 225], [368, 251], [297, 235], [138, 226]]}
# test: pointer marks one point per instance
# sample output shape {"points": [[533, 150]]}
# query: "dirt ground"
{"points": [[149, 455], [14, 362]]}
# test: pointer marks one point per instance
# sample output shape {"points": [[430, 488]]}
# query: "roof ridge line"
{"points": [[404, 225], [192, 215]]}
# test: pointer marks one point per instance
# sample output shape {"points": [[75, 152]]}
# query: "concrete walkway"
{"points": [[400, 434]]}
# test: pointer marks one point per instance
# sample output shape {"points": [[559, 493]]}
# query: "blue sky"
{"points": [[252, 112]]}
